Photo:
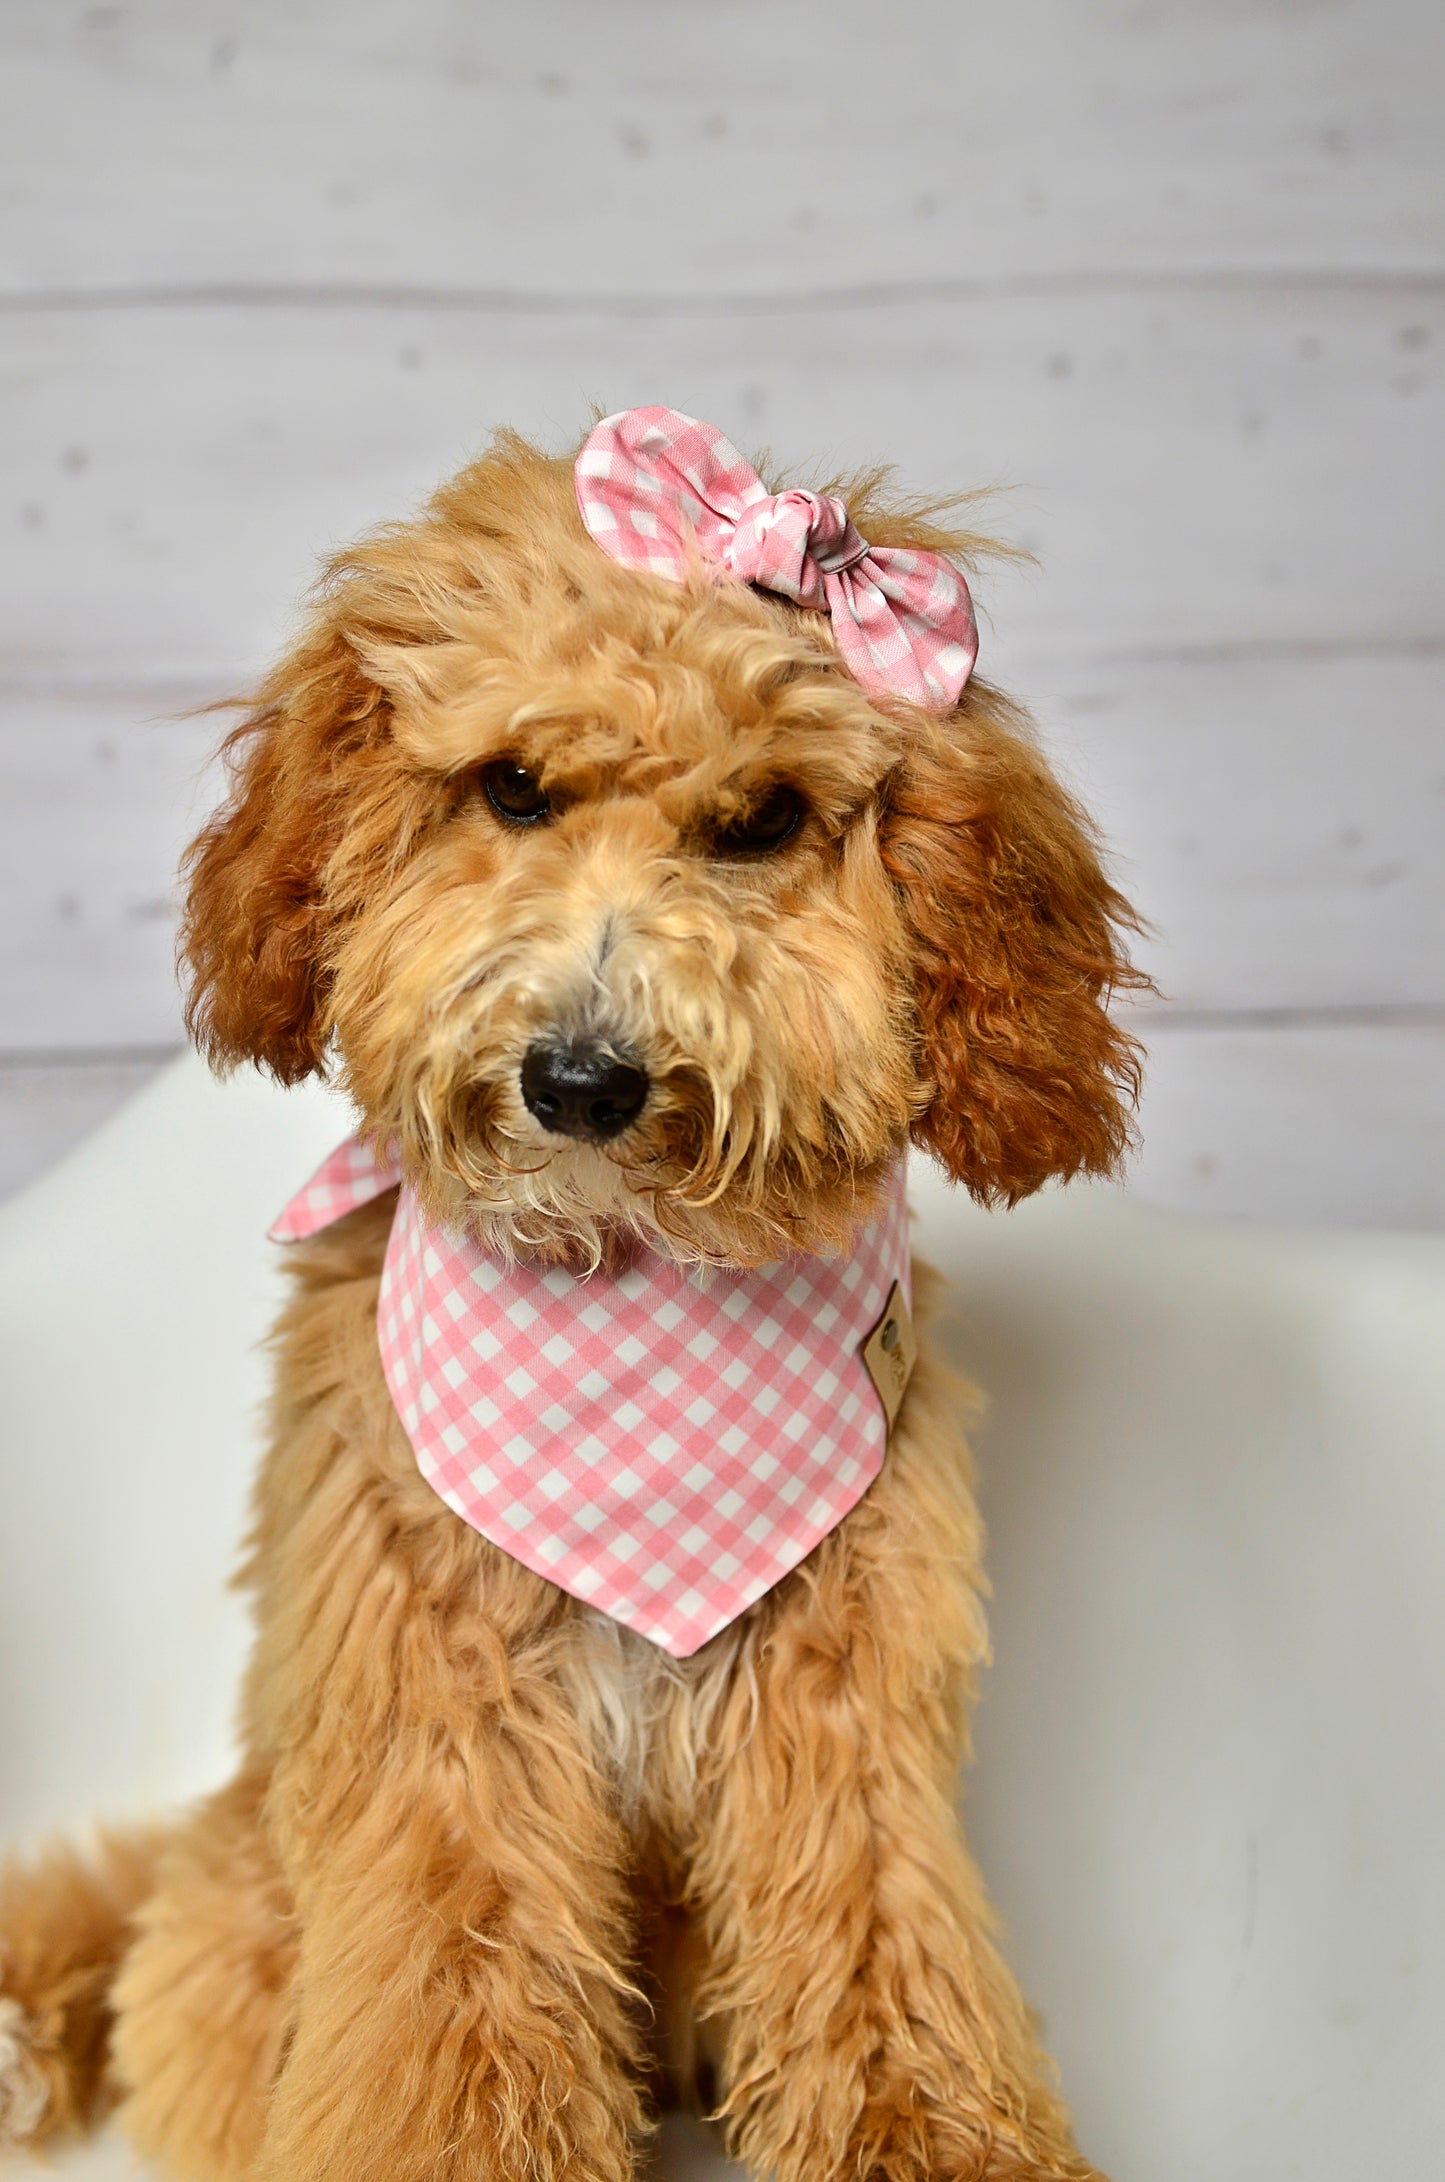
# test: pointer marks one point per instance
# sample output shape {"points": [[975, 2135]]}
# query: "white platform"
{"points": [[1210, 1787]]}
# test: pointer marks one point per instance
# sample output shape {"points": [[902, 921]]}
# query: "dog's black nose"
{"points": [[582, 1090]]}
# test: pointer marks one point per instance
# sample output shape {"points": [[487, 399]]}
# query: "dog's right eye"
{"points": [[514, 794], [766, 827]]}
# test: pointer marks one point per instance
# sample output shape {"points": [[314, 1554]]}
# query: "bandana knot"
{"points": [[660, 491]]}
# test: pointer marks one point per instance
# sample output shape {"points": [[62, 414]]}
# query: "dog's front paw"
{"points": [[24, 2092]]}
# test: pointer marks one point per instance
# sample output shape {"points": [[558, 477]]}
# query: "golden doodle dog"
{"points": [[637, 848]]}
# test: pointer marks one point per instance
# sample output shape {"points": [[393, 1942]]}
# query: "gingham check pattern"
{"points": [[665, 1444], [658, 489], [352, 1175]]}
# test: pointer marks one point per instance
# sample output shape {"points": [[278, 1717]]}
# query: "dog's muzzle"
{"points": [[582, 1090]]}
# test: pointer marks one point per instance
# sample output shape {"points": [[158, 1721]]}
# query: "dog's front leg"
{"points": [[867, 2025], [462, 2008]]}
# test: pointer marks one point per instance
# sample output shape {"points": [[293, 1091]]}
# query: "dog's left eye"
{"points": [[770, 822], [514, 793]]}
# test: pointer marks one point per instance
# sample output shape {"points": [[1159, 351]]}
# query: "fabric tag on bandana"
{"points": [[665, 1443], [891, 1351]]}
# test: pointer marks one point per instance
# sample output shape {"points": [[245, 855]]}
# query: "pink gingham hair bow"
{"points": [[658, 489]]}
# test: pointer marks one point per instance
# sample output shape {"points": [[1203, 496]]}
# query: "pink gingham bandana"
{"points": [[666, 1444], [658, 489]]}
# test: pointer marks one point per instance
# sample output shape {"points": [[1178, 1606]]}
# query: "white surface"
{"points": [[135, 1284], [45, 1108], [1174, 272], [1209, 1787]]}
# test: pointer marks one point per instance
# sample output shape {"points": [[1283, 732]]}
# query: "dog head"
{"points": [[619, 906]]}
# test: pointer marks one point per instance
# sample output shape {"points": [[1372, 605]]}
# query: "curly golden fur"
{"points": [[491, 1862]]}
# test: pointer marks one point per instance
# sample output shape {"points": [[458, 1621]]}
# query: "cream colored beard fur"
{"points": [[631, 1696], [23, 2092]]}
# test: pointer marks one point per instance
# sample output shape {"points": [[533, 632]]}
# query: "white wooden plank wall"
{"points": [[1172, 269]]}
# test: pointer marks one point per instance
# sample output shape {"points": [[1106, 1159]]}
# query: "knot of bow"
{"points": [[659, 490]]}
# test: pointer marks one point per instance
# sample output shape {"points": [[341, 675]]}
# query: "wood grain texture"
{"points": [[711, 145], [1317, 1122], [98, 794], [1278, 822], [1199, 470], [1175, 276]]}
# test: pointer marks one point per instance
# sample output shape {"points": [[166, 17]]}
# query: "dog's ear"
{"points": [[1017, 938], [257, 919]]}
